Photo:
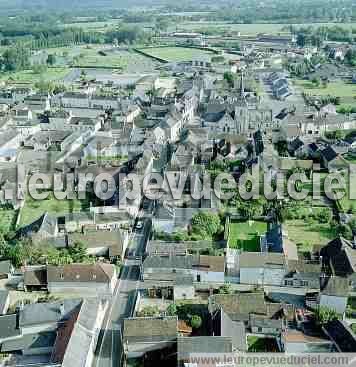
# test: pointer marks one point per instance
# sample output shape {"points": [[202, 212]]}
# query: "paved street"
{"points": [[109, 350]]}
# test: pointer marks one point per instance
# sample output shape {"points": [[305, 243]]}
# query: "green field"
{"points": [[28, 76], [176, 54], [307, 234], [346, 91], [249, 29], [33, 209], [246, 235], [124, 60]]}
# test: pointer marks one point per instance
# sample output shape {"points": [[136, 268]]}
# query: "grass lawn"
{"points": [[246, 235], [260, 345], [117, 59], [346, 91], [175, 54], [7, 220], [306, 234], [33, 209], [347, 205], [28, 76]]}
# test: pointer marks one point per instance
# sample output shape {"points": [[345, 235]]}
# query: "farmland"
{"points": [[176, 54], [345, 91], [30, 76]]}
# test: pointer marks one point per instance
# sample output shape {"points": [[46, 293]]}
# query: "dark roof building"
{"points": [[342, 336]]}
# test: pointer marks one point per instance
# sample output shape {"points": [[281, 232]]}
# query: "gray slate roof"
{"points": [[9, 326], [42, 313]]}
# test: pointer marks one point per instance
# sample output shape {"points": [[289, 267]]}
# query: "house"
{"points": [[267, 327], [35, 278], [142, 335], [261, 268], [70, 99], [172, 125], [10, 141], [169, 218], [39, 317], [183, 288], [331, 160], [240, 306], [57, 332], [339, 259], [80, 350], [224, 327], [188, 346], [85, 124], [341, 334], [104, 102], [4, 301], [43, 140], [334, 294], [165, 249], [304, 273], [203, 268], [12, 95], [31, 345], [109, 243], [43, 228], [9, 327], [296, 341], [97, 279], [6, 269]]}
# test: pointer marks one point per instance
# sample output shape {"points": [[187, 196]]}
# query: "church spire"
{"points": [[242, 86]]}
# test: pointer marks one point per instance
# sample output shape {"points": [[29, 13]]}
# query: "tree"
{"points": [[172, 310], [39, 69], [323, 315], [149, 311], [16, 59], [301, 39], [229, 77], [51, 59], [225, 289], [196, 322], [162, 24], [206, 223], [78, 252]]}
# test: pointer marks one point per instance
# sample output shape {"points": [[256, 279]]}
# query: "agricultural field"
{"points": [[249, 29], [124, 60], [246, 235], [345, 91], [176, 54], [32, 77], [33, 209]]}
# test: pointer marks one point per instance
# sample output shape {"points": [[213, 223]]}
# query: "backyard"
{"points": [[307, 233], [33, 209], [176, 54], [246, 235]]}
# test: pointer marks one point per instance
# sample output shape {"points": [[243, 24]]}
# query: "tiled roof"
{"points": [[81, 273]]}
